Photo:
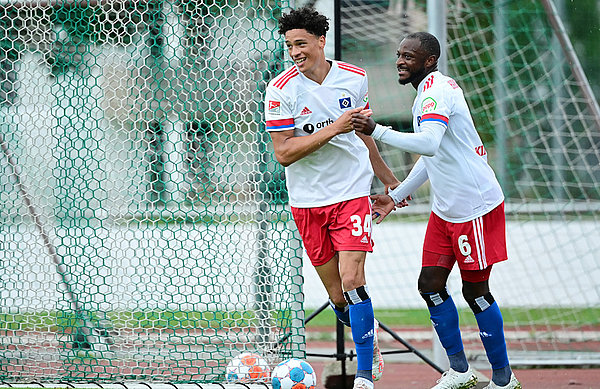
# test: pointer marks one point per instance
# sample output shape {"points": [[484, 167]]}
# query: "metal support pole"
{"points": [[341, 349], [89, 334], [572, 58], [500, 74], [410, 348], [559, 134], [337, 29], [436, 22]]}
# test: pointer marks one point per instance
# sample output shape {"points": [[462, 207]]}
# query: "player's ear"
{"points": [[322, 41], [431, 61]]}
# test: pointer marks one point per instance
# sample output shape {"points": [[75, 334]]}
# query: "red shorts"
{"points": [[475, 245], [344, 226]]}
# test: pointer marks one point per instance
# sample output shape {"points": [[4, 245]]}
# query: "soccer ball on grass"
{"points": [[294, 374], [247, 367]]}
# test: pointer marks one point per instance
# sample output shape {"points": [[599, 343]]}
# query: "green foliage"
{"points": [[87, 24], [583, 23], [79, 25]]}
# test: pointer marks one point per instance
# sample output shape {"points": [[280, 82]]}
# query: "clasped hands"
{"points": [[383, 204]]}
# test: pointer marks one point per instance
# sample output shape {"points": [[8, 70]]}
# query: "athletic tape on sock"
{"points": [[435, 299], [481, 303], [357, 295]]}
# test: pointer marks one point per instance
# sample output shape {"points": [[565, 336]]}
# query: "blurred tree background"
{"points": [[583, 24]]}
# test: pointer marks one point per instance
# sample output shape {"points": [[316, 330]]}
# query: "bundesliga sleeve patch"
{"points": [[274, 107]]}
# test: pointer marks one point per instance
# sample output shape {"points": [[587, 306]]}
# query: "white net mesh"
{"points": [[541, 133]]}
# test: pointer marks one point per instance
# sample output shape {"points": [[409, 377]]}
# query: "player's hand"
{"points": [[404, 202], [343, 124], [382, 206], [367, 112], [391, 187], [363, 123]]}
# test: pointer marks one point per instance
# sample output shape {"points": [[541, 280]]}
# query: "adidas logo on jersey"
{"points": [[306, 111], [364, 240], [469, 259], [428, 84]]}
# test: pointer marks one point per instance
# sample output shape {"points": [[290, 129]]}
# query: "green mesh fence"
{"points": [[143, 228]]}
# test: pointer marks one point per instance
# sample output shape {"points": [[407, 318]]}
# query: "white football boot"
{"points": [[455, 380], [512, 384]]}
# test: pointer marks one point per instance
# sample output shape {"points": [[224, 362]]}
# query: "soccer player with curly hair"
{"points": [[329, 169]]}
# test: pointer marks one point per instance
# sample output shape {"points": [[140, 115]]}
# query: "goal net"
{"points": [[533, 109], [143, 227]]}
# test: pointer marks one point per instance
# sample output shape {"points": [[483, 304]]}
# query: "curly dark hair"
{"points": [[429, 42], [304, 18]]}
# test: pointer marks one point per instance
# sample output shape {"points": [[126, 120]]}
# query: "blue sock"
{"points": [[361, 320], [491, 331], [342, 315], [444, 317], [458, 362]]}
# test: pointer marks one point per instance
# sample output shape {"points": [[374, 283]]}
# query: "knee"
{"points": [[352, 281], [432, 280], [336, 296], [338, 301], [473, 290]]}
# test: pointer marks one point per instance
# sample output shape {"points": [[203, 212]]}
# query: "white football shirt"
{"points": [[464, 186], [341, 169]]}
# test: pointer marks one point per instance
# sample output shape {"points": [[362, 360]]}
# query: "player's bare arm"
{"points": [[290, 148], [380, 168]]}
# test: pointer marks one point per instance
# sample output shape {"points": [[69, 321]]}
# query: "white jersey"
{"points": [[464, 187], [341, 169]]}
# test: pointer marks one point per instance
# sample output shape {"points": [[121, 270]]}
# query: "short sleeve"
{"points": [[278, 111], [436, 102], [364, 94]]}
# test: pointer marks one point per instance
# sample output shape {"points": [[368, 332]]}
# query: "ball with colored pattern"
{"points": [[294, 374], [247, 367]]}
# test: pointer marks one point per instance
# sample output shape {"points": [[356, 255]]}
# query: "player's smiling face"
{"points": [[306, 50], [411, 63]]}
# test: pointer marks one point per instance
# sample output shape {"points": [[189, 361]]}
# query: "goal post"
{"points": [[144, 230]]}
